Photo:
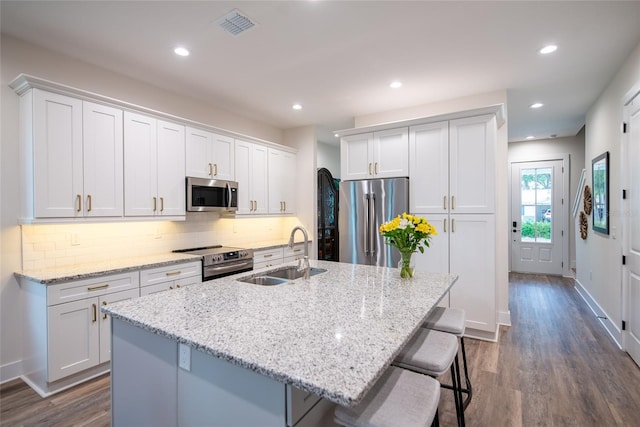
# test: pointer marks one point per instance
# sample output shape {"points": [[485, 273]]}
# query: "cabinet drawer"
{"points": [[299, 402], [96, 286], [154, 276], [297, 250], [273, 256]]}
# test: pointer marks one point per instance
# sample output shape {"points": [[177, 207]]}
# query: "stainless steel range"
{"points": [[220, 261]]}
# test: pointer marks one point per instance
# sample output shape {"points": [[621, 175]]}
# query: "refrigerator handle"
{"points": [[366, 225], [373, 231]]}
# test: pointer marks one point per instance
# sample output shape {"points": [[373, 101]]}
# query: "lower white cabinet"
{"points": [[263, 258], [465, 245], [171, 277]]}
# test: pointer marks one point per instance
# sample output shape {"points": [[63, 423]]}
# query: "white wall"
{"points": [[329, 157], [550, 149], [19, 57], [599, 256], [502, 225]]}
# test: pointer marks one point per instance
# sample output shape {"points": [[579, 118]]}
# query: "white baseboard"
{"points": [[602, 316], [10, 371], [481, 335], [504, 318]]}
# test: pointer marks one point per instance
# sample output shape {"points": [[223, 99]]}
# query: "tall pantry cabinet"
{"points": [[452, 184]]}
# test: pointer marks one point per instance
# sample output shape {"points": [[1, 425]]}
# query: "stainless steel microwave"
{"points": [[211, 195]]}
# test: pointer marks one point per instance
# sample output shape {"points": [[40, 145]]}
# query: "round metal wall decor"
{"points": [[587, 200], [584, 226]]}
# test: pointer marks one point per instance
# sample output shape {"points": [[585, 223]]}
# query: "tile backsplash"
{"points": [[45, 246]]}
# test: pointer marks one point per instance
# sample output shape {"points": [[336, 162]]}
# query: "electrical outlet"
{"points": [[184, 357], [75, 239]]}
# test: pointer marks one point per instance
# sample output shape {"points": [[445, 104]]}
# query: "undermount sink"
{"points": [[279, 275]]}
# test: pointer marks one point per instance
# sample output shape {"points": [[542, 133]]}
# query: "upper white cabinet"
{"points": [[209, 155], [383, 154], [154, 154], [282, 181], [452, 166], [73, 157], [252, 177]]}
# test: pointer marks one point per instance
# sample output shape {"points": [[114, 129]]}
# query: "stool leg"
{"points": [[457, 391], [466, 375], [436, 420]]}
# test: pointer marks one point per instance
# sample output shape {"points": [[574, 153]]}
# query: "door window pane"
{"points": [[535, 205]]}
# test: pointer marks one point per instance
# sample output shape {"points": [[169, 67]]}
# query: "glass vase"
{"points": [[406, 266]]}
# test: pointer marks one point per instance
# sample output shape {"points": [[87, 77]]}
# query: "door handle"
{"points": [[366, 223], [372, 233]]}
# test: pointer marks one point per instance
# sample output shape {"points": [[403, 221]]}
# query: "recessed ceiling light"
{"points": [[296, 107], [536, 105], [550, 48], [336, 135], [181, 51], [530, 137], [395, 84]]}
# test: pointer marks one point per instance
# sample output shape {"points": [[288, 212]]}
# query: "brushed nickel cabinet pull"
{"points": [[177, 286], [453, 205], [376, 168], [89, 203], [155, 204], [453, 225], [370, 169], [215, 169], [444, 227], [210, 169], [170, 288], [444, 202], [285, 206], [95, 288], [161, 204], [95, 312], [78, 203], [104, 316], [173, 273], [268, 255]]}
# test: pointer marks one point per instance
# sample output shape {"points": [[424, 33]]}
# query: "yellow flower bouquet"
{"points": [[409, 234]]}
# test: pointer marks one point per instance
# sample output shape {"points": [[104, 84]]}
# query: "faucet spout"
{"points": [[305, 263]]}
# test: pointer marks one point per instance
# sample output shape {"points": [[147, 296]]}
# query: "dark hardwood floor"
{"points": [[555, 366]]}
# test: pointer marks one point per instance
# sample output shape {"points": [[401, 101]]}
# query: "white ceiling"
{"points": [[337, 58]]}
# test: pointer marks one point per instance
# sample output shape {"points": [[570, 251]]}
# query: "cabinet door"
{"points": [[105, 321], [356, 159], [243, 176], [102, 160], [171, 172], [199, 153], [73, 337], [282, 180], [290, 168], [435, 258], [223, 157], [472, 249], [140, 165], [472, 161], [391, 153], [57, 139], [429, 168], [259, 179]]}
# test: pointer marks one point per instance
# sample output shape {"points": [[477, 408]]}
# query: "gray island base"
{"points": [[230, 353]]}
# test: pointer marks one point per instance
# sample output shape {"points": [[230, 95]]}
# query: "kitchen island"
{"points": [[232, 353]]}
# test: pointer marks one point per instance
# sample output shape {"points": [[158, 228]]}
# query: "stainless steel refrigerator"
{"points": [[364, 205]]}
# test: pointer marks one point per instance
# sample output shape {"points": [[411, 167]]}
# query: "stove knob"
{"points": [[243, 254]]}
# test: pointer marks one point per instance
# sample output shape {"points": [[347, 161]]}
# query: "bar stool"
{"points": [[433, 353], [398, 398], [452, 320]]}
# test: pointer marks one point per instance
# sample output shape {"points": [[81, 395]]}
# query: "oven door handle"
{"points": [[227, 268]]}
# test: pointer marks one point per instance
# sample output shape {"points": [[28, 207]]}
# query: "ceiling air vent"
{"points": [[235, 22]]}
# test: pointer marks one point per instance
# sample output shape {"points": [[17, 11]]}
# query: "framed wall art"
{"points": [[600, 193]]}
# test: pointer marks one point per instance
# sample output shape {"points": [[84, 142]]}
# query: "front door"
{"points": [[536, 217], [631, 224]]}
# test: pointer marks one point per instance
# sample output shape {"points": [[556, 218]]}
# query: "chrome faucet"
{"points": [[305, 261]]}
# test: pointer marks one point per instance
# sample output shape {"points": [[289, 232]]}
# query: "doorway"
{"points": [[538, 217], [631, 227]]}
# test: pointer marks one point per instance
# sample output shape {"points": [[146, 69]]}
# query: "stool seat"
{"points": [[451, 320], [398, 398], [429, 352]]}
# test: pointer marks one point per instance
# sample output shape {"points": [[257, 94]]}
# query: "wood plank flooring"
{"points": [[555, 366]]}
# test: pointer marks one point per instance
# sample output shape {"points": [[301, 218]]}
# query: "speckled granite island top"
{"points": [[333, 335], [50, 276]]}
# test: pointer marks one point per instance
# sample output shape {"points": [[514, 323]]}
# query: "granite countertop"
{"points": [[333, 335], [53, 275]]}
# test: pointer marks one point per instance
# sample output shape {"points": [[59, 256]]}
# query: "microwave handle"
{"points": [[228, 196]]}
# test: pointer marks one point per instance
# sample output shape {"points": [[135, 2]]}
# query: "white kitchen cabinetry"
{"points": [[170, 277], [263, 258], [383, 154], [72, 151], [209, 155], [452, 183], [66, 339], [282, 181], [154, 167], [452, 166], [251, 162]]}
